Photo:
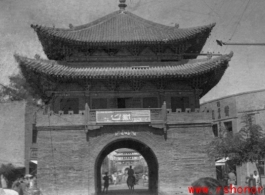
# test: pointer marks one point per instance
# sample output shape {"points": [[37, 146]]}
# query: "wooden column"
{"points": [[164, 118]]}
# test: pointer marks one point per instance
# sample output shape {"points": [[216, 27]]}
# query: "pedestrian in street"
{"points": [[17, 187], [106, 182], [24, 185], [232, 180], [257, 178], [114, 179], [213, 186], [251, 181]]}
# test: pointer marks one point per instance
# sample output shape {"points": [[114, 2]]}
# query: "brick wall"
{"points": [[66, 163]]}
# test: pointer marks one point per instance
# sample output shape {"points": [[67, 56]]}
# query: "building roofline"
{"points": [[233, 95]]}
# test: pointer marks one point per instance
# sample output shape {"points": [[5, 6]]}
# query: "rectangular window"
{"points": [[180, 103], [150, 102], [129, 102], [34, 134], [69, 104], [122, 102], [215, 130], [100, 103], [228, 126]]}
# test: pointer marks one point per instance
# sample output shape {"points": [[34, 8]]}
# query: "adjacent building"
{"points": [[18, 140], [126, 157], [227, 113]]}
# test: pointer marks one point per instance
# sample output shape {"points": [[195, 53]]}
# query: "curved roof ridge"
{"points": [[110, 16], [193, 68], [79, 27], [149, 22], [97, 21]]}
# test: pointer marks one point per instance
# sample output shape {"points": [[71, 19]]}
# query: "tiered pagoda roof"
{"points": [[120, 28], [124, 28], [125, 70]]}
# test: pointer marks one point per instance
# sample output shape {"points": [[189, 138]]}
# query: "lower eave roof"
{"points": [[150, 70]]}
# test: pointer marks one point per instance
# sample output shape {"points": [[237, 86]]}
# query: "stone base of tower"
{"points": [[69, 160]]}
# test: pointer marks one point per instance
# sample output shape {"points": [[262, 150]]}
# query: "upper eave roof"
{"points": [[122, 27], [152, 70]]}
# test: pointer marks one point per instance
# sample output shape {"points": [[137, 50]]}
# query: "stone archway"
{"points": [[140, 147]]}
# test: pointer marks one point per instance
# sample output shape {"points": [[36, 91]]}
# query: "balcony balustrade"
{"points": [[153, 116]]}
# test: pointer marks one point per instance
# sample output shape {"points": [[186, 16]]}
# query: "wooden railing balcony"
{"points": [[90, 117]]}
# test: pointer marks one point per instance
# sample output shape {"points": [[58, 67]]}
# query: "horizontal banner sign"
{"points": [[135, 116]]}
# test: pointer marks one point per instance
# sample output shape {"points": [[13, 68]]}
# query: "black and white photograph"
{"points": [[132, 97]]}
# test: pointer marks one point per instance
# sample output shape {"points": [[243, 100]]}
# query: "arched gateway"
{"points": [[122, 81], [134, 144]]}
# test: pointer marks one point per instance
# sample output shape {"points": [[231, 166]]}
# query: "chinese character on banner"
{"points": [[126, 117]]}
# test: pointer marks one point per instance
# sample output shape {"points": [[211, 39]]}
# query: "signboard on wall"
{"points": [[33, 153], [123, 116]]}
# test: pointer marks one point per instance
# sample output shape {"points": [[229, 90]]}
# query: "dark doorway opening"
{"points": [[138, 146], [121, 102]]}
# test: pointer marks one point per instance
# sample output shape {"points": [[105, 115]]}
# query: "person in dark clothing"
{"points": [[131, 173], [24, 184], [252, 185], [106, 182]]}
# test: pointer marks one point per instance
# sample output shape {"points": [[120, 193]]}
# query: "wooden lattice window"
{"points": [[180, 103], [34, 134], [69, 104], [99, 103], [229, 127], [150, 102], [227, 111]]}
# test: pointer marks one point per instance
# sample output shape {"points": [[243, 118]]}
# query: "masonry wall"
{"points": [[66, 159]]}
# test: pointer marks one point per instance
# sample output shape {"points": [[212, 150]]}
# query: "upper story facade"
{"points": [[122, 62]]}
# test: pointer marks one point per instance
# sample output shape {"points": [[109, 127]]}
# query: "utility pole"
{"points": [[221, 43]]}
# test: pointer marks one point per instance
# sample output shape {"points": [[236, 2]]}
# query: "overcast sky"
{"points": [[237, 21]]}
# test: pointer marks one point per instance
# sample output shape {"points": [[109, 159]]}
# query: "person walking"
{"points": [[257, 178], [131, 173], [106, 182]]}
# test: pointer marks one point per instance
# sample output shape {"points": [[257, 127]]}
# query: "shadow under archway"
{"points": [[140, 147]]}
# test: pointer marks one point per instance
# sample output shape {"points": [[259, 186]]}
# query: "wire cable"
{"points": [[238, 23]]}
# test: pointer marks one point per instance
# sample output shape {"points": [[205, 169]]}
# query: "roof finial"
{"points": [[122, 5]]}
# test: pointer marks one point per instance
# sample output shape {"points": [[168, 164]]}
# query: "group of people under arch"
{"points": [[132, 179]]}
